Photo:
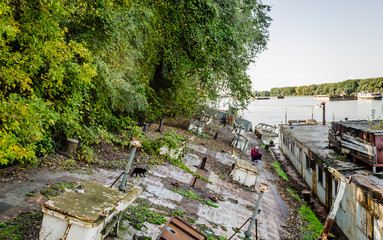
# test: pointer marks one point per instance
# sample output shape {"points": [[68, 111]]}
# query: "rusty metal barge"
{"points": [[362, 140], [322, 167]]}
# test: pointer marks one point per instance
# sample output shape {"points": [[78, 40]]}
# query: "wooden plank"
{"points": [[357, 148], [356, 140]]}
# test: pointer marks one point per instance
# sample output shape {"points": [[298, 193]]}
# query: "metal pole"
{"points": [[136, 143], [200, 123], [239, 135], [286, 116], [145, 128], [121, 187], [324, 113], [263, 188], [244, 147]]}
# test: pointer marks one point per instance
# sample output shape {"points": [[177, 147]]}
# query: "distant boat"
{"points": [[369, 95], [265, 130], [280, 97], [262, 98], [336, 97]]}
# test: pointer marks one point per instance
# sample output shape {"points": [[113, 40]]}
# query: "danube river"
{"points": [[275, 111]]}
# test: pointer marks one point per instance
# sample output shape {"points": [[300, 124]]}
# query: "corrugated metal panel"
{"points": [[369, 226], [363, 220], [379, 148]]}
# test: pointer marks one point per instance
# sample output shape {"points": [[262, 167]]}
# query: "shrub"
{"points": [[25, 129]]}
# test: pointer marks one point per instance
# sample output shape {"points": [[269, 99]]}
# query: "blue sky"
{"points": [[313, 42]]}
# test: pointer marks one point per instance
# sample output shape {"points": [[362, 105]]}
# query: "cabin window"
{"points": [[320, 175], [364, 220], [299, 155], [308, 163], [293, 148]]}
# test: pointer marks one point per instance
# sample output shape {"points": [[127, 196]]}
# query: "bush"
{"points": [[25, 129]]}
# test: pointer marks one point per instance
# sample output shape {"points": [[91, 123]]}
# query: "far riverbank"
{"points": [[276, 111]]}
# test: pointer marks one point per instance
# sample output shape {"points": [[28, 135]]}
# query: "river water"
{"points": [[275, 111]]}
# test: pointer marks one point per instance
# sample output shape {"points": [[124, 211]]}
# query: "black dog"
{"points": [[138, 171]]}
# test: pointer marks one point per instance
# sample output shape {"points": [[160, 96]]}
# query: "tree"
{"points": [[206, 47]]}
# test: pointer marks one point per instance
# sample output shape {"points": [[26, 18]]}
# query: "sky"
{"points": [[314, 42]]}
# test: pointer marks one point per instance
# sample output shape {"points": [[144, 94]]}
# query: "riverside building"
{"points": [[360, 215]]}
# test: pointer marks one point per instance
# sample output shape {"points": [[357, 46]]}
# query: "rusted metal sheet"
{"points": [[177, 229], [379, 148], [363, 139]]}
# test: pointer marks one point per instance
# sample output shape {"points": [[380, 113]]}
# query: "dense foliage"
{"points": [[78, 68], [353, 86]]}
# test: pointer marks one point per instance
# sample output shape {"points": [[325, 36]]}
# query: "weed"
{"points": [[312, 227], [139, 214], [189, 194], [191, 220], [30, 194], [178, 212], [57, 188], [211, 204], [21, 227], [279, 170], [236, 230], [204, 135], [293, 193]]}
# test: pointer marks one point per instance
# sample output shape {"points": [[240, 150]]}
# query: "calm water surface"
{"points": [[273, 111]]}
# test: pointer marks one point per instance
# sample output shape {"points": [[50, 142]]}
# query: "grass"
{"points": [[21, 227], [178, 212], [193, 195], [55, 189], [189, 194], [293, 193], [312, 227], [279, 170], [139, 214], [211, 204], [191, 220]]}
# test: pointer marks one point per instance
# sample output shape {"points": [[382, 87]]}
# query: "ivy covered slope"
{"points": [[80, 68]]}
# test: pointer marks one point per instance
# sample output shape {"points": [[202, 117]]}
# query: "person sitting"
{"points": [[256, 154]]}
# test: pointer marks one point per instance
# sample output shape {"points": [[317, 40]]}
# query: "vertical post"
{"points": [[324, 113], [136, 143], [203, 163], [160, 127], [286, 116], [263, 188], [244, 147], [239, 135], [195, 180], [145, 128], [256, 229], [312, 112], [200, 123]]}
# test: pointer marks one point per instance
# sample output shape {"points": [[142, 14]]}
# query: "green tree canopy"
{"points": [[95, 64]]}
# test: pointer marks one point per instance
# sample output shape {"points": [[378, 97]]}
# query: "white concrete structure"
{"points": [[244, 172], [73, 215]]}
